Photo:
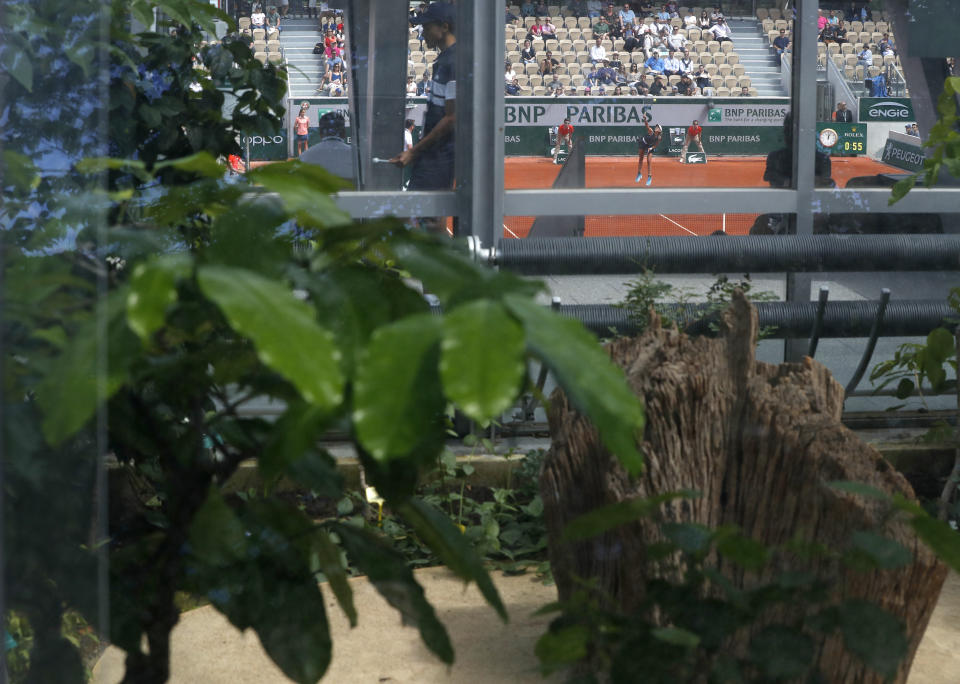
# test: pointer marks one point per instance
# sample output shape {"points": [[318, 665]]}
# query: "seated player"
{"points": [[646, 145]]}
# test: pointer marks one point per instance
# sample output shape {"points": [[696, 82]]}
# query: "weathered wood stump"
{"points": [[759, 442]]}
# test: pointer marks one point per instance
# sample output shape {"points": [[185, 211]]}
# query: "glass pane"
{"points": [[679, 85]]}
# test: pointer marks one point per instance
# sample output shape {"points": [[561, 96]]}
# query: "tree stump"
{"points": [[759, 442]]}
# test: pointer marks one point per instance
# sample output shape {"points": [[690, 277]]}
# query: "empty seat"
{"points": [[243, 23], [713, 46], [767, 25], [275, 58], [855, 26], [724, 70], [259, 34], [573, 34], [262, 56], [273, 46], [726, 47], [259, 46], [738, 70], [583, 22], [733, 58], [742, 81], [531, 69], [536, 80], [570, 22], [763, 14], [722, 92], [775, 13], [523, 80]]}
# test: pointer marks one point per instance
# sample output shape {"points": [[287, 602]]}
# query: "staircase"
{"points": [[757, 57], [305, 69]]}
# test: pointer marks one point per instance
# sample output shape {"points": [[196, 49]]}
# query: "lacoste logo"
{"points": [[695, 158]]}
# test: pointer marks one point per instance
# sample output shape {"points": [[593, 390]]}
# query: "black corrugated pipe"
{"points": [[730, 254], [790, 319]]}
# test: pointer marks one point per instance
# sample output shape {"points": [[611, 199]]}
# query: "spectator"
{"points": [[555, 85], [828, 34], [611, 15], [423, 85], [658, 86], [703, 22], [833, 18], [571, 92], [745, 91], [548, 30], [676, 41], [536, 31], [528, 55], [690, 20], [408, 127], [527, 9], [671, 65], [334, 60], [663, 15], [715, 16], [618, 91], [615, 62], [541, 8], [686, 83], [686, 62], [510, 18], [886, 46], [606, 74], [672, 8], [258, 19], [655, 64], [593, 78], [822, 21], [839, 33], [284, 8], [411, 86], [781, 43], [302, 130], [627, 15], [702, 79], [843, 115], [695, 91], [594, 8], [601, 28], [598, 53], [642, 87], [334, 82], [630, 41], [509, 75], [273, 19], [549, 64], [865, 58], [512, 88], [721, 32], [577, 8]]}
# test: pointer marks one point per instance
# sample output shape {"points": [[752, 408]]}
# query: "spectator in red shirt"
{"points": [[694, 134], [564, 135]]}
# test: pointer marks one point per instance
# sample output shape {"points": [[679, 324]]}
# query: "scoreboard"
{"points": [[842, 139]]}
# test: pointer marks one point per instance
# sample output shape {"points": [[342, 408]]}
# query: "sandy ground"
{"points": [[207, 649]]}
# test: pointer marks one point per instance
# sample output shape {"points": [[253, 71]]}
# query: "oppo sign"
{"points": [[263, 140], [886, 109]]}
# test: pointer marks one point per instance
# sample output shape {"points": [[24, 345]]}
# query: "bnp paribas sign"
{"points": [[886, 109]]}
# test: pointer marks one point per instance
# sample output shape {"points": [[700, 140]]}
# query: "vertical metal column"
{"points": [[804, 107], [377, 43], [479, 146]]}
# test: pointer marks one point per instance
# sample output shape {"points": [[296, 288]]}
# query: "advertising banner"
{"points": [[903, 155], [842, 139], [886, 109], [620, 141]]}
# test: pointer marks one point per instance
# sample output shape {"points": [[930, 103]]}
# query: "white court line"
{"points": [[724, 223], [677, 224], [510, 231]]}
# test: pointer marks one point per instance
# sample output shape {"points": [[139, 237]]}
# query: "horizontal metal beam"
{"points": [[632, 202], [394, 203], [729, 254]]}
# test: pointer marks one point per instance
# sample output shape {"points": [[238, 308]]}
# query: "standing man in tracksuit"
{"points": [[432, 156]]}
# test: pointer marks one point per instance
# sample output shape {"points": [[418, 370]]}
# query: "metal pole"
{"points": [[479, 146], [804, 76]]}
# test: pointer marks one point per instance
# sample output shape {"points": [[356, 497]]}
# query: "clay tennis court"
{"points": [[668, 172]]}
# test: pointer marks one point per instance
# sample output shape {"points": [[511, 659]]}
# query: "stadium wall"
{"points": [[609, 126]]}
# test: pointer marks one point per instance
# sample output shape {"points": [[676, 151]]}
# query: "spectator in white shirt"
{"points": [[411, 85], [690, 21], [721, 31], [671, 65], [258, 19], [677, 42], [865, 58], [686, 63], [408, 126], [598, 53], [508, 73]]}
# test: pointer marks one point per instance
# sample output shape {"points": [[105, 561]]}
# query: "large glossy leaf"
{"points": [[216, 534], [397, 393], [294, 434], [781, 652], [482, 358], [153, 289], [446, 540], [287, 337], [595, 386], [201, 163], [874, 635], [305, 190], [613, 515], [388, 572], [78, 381], [884, 552]]}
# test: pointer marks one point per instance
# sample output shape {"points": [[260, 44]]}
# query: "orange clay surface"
{"points": [[668, 172]]}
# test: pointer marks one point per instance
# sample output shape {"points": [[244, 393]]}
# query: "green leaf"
{"points": [[482, 359], [676, 636], [153, 288], [305, 190], [690, 538], [295, 433], [904, 388], [283, 329], [781, 652], [560, 647], [745, 552], [201, 163], [19, 170], [17, 63], [595, 386], [72, 390], [873, 635], [901, 188], [216, 534], [397, 395], [613, 515], [95, 165], [328, 558], [940, 344], [859, 489], [939, 536], [453, 549], [884, 552], [388, 572]]}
